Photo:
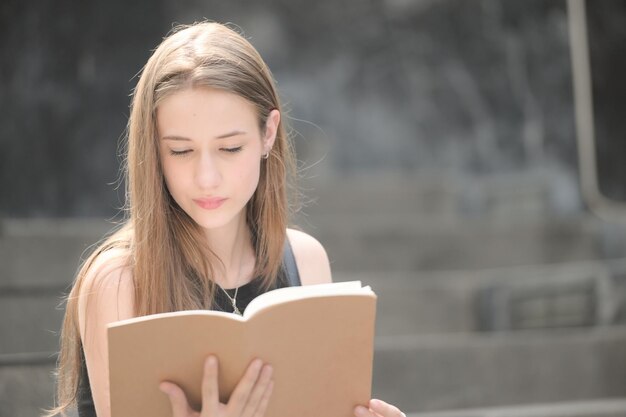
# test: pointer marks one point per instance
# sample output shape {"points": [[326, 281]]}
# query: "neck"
{"points": [[232, 244]]}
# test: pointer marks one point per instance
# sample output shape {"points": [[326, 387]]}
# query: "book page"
{"points": [[149, 317], [285, 294]]}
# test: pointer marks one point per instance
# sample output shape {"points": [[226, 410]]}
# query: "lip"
{"points": [[210, 203]]}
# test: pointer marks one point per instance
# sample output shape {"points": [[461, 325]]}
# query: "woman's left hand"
{"points": [[378, 408]]}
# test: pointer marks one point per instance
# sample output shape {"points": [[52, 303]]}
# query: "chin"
{"points": [[211, 222], [214, 219]]}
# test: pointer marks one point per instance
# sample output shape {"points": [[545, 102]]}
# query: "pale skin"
{"points": [[211, 147]]}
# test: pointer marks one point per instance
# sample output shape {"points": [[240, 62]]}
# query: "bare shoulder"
{"points": [[311, 258], [109, 269], [104, 293], [106, 290]]}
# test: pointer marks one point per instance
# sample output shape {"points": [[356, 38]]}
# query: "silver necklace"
{"points": [[233, 300]]}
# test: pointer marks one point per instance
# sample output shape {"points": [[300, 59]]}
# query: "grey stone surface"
{"points": [[45, 252], [597, 408], [428, 372], [30, 323], [449, 302], [381, 85], [411, 300], [406, 223], [25, 391]]}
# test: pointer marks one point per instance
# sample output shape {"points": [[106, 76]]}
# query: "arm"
{"points": [[311, 258], [106, 295]]}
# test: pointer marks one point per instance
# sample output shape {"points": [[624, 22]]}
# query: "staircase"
{"points": [[478, 315]]}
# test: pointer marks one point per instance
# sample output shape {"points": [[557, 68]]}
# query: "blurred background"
{"points": [[464, 158]]}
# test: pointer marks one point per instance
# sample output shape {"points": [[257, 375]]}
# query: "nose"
{"points": [[207, 175]]}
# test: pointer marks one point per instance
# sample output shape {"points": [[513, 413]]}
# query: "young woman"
{"points": [[207, 166]]}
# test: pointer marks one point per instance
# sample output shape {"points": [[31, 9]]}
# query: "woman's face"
{"points": [[211, 148]]}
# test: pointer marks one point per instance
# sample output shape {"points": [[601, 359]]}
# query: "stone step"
{"points": [[529, 194], [26, 390], [426, 373], [611, 407], [397, 244], [50, 251], [576, 294], [545, 296], [30, 320], [45, 251]]}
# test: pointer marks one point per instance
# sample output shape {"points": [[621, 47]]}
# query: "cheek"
{"points": [[250, 177], [172, 177]]}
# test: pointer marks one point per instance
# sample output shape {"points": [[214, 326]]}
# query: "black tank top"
{"points": [[287, 277]]}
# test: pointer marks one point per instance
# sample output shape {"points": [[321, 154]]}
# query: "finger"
{"points": [[360, 411], [258, 391], [385, 409], [240, 395], [178, 399], [210, 389], [265, 400]]}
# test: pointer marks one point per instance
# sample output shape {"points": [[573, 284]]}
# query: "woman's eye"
{"points": [[232, 150], [175, 153]]}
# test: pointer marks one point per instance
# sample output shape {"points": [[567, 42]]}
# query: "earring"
{"points": [[267, 155]]}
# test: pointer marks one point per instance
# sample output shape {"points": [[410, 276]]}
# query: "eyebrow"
{"points": [[223, 136]]}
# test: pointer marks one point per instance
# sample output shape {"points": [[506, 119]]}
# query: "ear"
{"points": [[271, 129]]}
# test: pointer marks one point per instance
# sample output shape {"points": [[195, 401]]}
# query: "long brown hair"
{"points": [[164, 248]]}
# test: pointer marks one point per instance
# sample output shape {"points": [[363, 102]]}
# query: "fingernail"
{"points": [[360, 410], [212, 360], [375, 403], [164, 388], [209, 364]]}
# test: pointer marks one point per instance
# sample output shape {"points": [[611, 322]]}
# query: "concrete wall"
{"points": [[432, 87]]}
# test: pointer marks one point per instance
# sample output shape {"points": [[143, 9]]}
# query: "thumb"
{"points": [[385, 409], [178, 399]]}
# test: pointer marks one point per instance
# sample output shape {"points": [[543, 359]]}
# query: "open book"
{"points": [[318, 339]]}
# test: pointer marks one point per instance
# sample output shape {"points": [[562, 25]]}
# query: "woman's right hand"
{"points": [[249, 399]]}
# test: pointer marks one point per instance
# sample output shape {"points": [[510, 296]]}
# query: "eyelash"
{"points": [[232, 150], [229, 150], [178, 153]]}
